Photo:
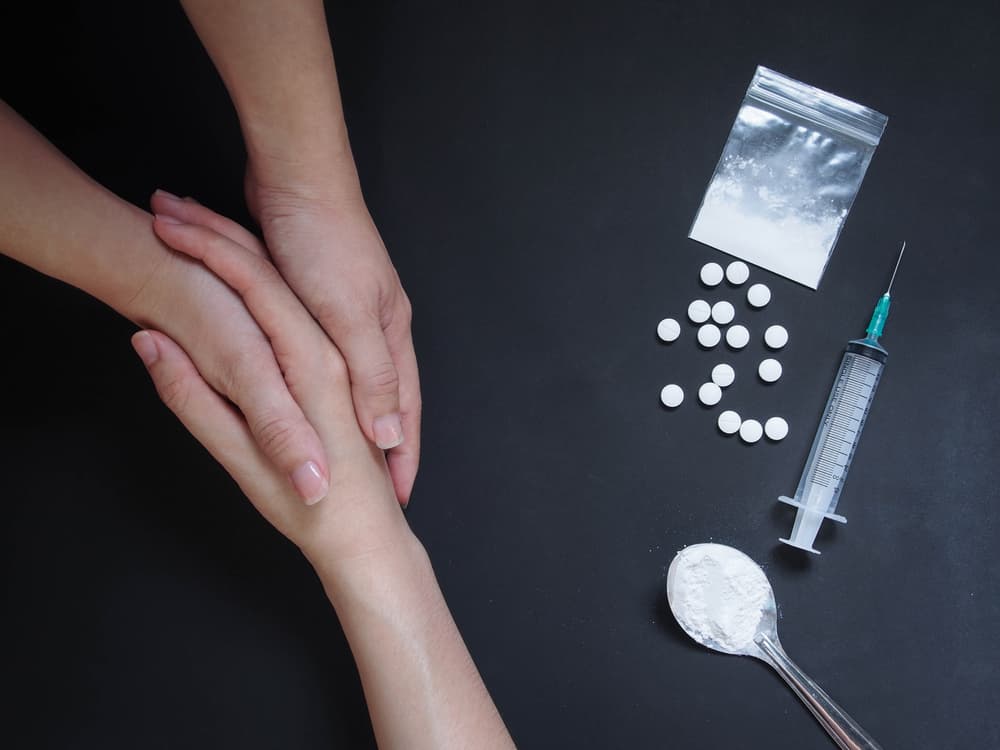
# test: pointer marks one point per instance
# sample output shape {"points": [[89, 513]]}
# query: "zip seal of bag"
{"points": [[788, 176]]}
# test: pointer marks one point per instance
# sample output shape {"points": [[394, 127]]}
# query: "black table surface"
{"points": [[534, 168]]}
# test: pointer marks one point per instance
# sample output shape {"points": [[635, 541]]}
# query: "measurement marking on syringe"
{"points": [[846, 414]]}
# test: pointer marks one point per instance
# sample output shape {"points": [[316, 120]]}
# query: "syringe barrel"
{"points": [[840, 428]]}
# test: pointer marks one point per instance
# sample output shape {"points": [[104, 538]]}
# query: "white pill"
{"points": [[737, 272], [723, 375], [672, 395], [751, 431], [737, 336], [709, 335], [758, 295], [709, 394], [668, 329], [723, 313], [776, 337], [729, 422], [769, 370], [776, 428], [711, 274], [699, 311]]}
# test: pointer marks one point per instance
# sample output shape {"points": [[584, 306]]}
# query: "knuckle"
{"points": [[382, 380], [275, 433], [175, 391], [235, 367], [346, 311], [329, 311]]}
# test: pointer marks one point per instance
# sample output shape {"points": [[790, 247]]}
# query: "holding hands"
{"points": [[276, 61], [292, 364], [364, 514], [422, 687], [331, 255]]}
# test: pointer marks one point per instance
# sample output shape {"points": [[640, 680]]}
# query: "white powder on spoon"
{"points": [[718, 595]]}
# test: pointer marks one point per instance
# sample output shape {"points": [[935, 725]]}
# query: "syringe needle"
{"points": [[897, 267], [881, 312]]}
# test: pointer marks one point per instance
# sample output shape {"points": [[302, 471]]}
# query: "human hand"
{"points": [[302, 186], [190, 304], [375, 572], [362, 516], [326, 246], [59, 221], [328, 249]]}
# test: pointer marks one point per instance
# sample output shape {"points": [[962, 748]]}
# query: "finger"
{"points": [[205, 414], [276, 419], [189, 211], [295, 337], [251, 378], [404, 459], [374, 378]]}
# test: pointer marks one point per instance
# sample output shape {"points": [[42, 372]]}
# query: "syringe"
{"points": [[840, 429]]}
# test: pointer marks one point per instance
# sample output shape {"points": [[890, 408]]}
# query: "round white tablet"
{"points": [[776, 428], [711, 274], [699, 311], [729, 422], [758, 295], [723, 312], [737, 272], [769, 370], [709, 335], [737, 336], [672, 395], [709, 394], [775, 337], [723, 375], [668, 329], [751, 431]]}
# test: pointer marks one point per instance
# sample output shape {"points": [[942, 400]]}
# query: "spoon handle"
{"points": [[841, 727]]}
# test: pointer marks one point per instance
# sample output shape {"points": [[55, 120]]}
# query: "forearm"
{"points": [[276, 60], [422, 687], [57, 220]]}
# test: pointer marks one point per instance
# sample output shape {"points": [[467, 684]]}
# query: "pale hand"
{"points": [[330, 253], [361, 516]]}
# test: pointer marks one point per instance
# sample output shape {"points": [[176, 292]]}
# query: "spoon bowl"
{"points": [[721, 589], [723, 600]]}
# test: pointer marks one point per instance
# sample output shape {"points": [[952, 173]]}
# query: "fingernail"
{"points": [[163, 193], [310, 482], [145, 347], [388, 431], [168, 219]]}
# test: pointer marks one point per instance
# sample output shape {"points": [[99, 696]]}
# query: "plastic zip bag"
{"points": [[788, 175]]}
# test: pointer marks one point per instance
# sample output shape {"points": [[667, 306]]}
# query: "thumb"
{"points": [[374, 381]]}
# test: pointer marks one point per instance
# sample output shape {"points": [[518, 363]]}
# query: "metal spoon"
{"points": [[764, 646]]}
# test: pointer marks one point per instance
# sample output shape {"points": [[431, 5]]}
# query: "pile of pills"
{"points": [[711, 318]]}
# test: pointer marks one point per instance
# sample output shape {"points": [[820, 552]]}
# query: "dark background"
{"points": [[534, 168]]}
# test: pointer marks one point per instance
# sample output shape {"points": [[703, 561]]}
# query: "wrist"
{"points": [[375, 574], [122, 263], [166, 285], [279, 184]]}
